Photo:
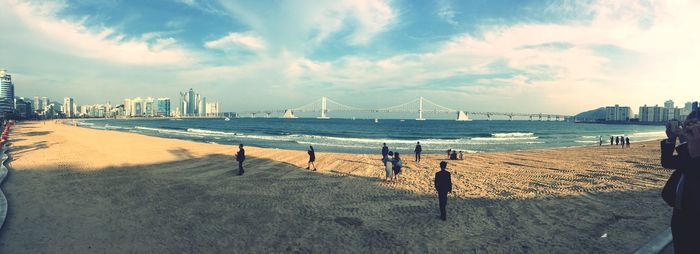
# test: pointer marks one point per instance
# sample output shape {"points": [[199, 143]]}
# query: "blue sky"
{"points": [[523, 56]]}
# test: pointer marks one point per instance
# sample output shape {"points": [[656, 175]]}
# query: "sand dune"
{"points": [[76, 190]]}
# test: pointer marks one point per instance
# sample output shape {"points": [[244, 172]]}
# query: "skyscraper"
{"points": [[202, 106], [68, 107], [38, 106], [7, 93], [163, 107]]}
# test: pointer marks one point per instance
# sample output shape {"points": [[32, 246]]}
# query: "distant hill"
{"points": [[591, 115]]}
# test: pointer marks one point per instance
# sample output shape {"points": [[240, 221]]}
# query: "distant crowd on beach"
{"points": [[622, 141]]}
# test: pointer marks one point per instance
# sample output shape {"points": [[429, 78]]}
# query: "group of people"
{"points": [[392, 163], [619, 140], [453, 155]]}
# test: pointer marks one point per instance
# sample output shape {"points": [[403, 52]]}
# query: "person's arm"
{"points": [[449, 182], [437, 183]]}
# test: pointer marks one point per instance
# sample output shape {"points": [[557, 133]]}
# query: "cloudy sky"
{"points": [[514, 56]]}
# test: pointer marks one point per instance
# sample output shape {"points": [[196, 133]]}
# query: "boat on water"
{"points": [[376, 120]]}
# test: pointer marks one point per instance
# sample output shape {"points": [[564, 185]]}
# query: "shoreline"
{"points": [[78, 189], [378, 148]]}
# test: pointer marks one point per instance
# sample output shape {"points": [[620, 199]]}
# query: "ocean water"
{"points": [[366, 136]]}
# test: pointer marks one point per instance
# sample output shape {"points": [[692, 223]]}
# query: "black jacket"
{"points": [[443, 181], [418, 149], [385, 150], [240, 156], [690, 170]]}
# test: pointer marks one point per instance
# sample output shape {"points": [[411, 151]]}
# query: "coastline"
{"points": [[144, 187]]}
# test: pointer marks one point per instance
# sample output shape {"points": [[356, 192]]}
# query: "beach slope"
{"points": [[79, 190]]}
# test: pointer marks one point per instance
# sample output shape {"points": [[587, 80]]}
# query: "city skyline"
{"points": [[526, 56]]}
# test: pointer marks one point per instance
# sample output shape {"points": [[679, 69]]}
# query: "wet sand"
{"points": [[78, 190]]}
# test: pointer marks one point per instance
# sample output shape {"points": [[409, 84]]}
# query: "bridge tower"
{"points": [[420, 110], [324, 108]]}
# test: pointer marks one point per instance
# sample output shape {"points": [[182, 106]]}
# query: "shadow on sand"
{"points": [[199, 205]]}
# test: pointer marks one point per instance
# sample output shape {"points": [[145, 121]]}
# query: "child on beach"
{"points": [[398, 164], [388, 164], [312, 158]]}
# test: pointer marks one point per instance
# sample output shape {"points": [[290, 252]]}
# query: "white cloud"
{"points": [[103, 43], [446, 12], [296, 23], [236, 40]]}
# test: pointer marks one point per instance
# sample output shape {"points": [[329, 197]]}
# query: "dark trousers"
{"points": [[685, 228], [442, 196], [240, 167], [418, 156]]}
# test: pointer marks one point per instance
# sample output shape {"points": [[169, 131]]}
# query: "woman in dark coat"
{"points": [[682, 192], [312, 158]]}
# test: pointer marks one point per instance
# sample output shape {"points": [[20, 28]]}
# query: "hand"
{"points": [[692, 135], [671, 132]]}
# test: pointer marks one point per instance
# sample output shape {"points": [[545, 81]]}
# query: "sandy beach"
{"points": [[79, 190]]}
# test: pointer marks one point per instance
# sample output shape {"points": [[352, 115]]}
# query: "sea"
{"points": [[367, 135]]}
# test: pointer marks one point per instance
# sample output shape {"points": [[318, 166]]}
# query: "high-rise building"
{"points": [[38, 105], [617, 113], [163, 108], [212, 109], [189, 103], [668, 104], [68, 107], [202, 107], [7, 93], [44, 102]]}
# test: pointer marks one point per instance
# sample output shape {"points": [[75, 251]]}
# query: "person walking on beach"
{"points": [[611, 140], [312, 158], [443, 185], [622, 141], [600, 140], [385, 151], [240, 157], [617, 140], [418, 150], [627, 141], [388, 163], [682, 190], [398, 164], [449, 152]]}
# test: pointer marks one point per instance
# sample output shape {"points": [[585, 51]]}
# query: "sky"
{"points": [[559, 57]]}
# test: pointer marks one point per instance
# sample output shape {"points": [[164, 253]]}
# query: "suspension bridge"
{"points": [[324, 106]]}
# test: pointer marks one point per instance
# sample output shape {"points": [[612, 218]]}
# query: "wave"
{"points": [[512, 134], [589, 136], [171, 131], [208, 132]]}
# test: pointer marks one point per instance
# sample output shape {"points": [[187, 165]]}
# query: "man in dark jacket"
{"points": [[418, 150], [240, 157], [443, 185], [385, 151], [683, 193]]}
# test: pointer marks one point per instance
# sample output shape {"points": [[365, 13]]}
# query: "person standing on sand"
{"points": [[617, 140], [611, 140], [682, 191], [443, 185], [418, 150], [385, 151], [627, 140], [398, 164], [600, 140], [388, 165], [312, 158], [240, 157]]}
